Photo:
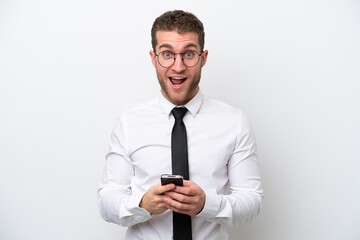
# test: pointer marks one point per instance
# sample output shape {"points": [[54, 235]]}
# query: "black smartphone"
{"points": [[169, 178]]}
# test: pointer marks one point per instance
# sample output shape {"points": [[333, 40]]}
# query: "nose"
{"points": [[178, 65]]}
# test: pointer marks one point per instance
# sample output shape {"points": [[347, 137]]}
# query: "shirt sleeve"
{"points": [[245, 199], [117, 203]]}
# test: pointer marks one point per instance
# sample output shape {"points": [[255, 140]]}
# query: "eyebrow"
{"points": [[170, 47], [165, 46]]}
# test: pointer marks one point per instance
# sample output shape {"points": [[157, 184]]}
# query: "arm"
{"points": [[117, 202], [245, 199]]}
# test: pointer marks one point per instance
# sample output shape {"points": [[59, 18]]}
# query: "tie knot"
{"points": [[179, 113]]}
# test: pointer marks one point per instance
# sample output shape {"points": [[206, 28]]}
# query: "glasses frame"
{"points": [[182, 57]]}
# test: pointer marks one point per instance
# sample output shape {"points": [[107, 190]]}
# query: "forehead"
{"points": [[175, 40]]}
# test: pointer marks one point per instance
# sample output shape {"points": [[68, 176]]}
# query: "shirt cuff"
{"points": [[211, 207], [133, 214]]}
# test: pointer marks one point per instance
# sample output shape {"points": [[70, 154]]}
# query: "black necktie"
{"points": [[180, 166]]}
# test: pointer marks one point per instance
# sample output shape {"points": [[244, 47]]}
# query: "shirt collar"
{"points": [[193, 105]]}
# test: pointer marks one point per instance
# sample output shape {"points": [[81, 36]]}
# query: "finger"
{"points": [[175, 209], [187, 183], [179, 197], [159, 189], [189, 191], [176, 206]]}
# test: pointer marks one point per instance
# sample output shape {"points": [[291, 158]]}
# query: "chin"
{"points": [[177, 100]]}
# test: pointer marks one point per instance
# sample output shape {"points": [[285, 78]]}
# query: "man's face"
{"points": [[179, 83]]}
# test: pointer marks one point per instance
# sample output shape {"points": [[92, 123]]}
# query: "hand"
{"points": [[152, 201], [189, 199]]}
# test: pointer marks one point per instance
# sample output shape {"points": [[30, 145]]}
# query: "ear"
{"points": [[204, 57], [153, 57]]}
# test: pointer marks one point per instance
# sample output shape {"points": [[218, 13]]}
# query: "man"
{"points": [[224, 186]]}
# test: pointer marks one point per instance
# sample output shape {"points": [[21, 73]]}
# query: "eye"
{"points": [[167, 54], [189, 54]]}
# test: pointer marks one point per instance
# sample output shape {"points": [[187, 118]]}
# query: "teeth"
{"points": [[178, 78]]}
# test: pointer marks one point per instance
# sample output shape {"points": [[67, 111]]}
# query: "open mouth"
{"points": [[177, 81]]}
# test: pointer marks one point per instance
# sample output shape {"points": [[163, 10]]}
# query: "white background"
{"points": [[69, 68]]}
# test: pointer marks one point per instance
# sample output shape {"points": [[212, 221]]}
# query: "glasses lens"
{"points": [[166, 58], [190, 58]]}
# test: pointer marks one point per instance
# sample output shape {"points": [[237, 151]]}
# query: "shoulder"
{"points": [[226, 118], [217, 107], [218, 111]]}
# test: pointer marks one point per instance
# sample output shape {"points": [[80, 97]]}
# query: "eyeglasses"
{"points": [[190, 58]]}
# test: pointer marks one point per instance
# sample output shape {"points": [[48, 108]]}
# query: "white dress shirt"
{"points": [[222, 161]]}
